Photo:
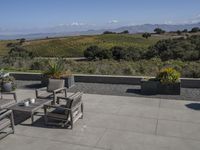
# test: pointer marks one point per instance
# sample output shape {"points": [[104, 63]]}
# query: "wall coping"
{"points": [[96, 75]]}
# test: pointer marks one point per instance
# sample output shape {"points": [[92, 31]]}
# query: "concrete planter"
{"points": [[169, 89], [150, 87], [69, 81]]}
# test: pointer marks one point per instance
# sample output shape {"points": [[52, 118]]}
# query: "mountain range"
{"points": [[132, 29]]}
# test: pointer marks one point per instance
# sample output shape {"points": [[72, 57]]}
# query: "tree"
{"points": [[21, 41], [185, 31], [134, 53], [109, 32], [125, 32], [178, 32], [179, 48], [195, 29], [159, 31], [10, 45], [91, 52], [146, 35], [118, 53], [104, 54]]}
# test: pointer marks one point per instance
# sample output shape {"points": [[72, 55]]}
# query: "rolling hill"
{"points": [[75, 45]]}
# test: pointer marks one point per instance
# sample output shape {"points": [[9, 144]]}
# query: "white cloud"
{"points": [[198, 16], [114, 21], [77, 24], [194, 19], [62, 25], [169, 22]]}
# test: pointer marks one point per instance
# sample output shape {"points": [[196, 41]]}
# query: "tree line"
{"points": [[158, 31], [186, 49]]}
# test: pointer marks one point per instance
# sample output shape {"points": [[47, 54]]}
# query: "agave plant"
{"points": [[56, 69], [168, 76]]}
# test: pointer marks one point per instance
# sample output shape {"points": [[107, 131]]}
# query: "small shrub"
{"points": [[168, 76], [128, 70], [104, 54], [119, 53], [38, 65], [133, 53], [146, 35]]}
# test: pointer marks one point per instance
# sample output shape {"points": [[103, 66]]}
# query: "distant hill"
{"points": [[151, 27], [131, 29], [74, 46]]}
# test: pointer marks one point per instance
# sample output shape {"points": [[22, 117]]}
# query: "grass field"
{"points": [[74, 46]]}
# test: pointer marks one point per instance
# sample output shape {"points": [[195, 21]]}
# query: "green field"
{"points": [[74, 46]]}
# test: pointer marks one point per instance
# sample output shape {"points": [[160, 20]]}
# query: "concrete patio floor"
{"points": [[115, 123]]}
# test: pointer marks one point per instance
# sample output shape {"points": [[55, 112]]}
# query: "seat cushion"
{"points": [[45, 95], [5, 103], [55, 84], [58, 113]]}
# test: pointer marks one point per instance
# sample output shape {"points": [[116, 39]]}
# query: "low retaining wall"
{"points": [[190, 82], [26, 76], [109, 79]]}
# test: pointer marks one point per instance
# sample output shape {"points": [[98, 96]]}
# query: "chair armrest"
{"points": [[60, 89], [62, 98], [42, 89], [7, 113], [68, 98]]}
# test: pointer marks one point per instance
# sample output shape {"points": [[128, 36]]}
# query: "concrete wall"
{"points": [[26, 76], [131, 80]]}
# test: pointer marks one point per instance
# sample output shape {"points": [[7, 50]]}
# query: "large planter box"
{"points": [[69, 81], [169, 89], [150, 87]]}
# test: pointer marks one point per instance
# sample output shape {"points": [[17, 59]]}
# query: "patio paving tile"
{"points": [[81, 134], [139, 111], [179, 115], [118, 140], [179, 129], [27, 143], [143, 125]]}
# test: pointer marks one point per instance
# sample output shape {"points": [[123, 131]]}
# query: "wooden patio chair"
{"points": [[67, 113], [54, 87]]}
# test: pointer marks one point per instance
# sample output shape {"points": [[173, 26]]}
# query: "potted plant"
{"points": [[7, 84], [166, 82], [56, 70]]}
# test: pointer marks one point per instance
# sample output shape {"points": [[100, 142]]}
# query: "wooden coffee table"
{"points": [[32, 108]]}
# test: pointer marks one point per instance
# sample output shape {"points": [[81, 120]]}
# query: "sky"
{"points": [[70, 15]]}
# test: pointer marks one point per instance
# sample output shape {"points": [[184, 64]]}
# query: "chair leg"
{"points": [[82, 111], [45, 116], [71, 120], [65, 92], [12, 123]]}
